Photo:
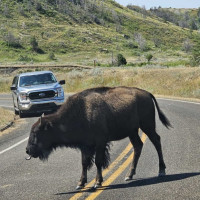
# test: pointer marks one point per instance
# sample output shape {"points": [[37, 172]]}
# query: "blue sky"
{"points": [[163, 3]]}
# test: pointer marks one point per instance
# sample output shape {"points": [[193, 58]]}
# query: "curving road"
{"points": [[57, 178]]}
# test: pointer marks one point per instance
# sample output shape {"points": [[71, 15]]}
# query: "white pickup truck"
{"points": [[36, 92]]}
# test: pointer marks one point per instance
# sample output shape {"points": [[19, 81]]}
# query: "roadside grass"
{"points": [[5, 83], [8, 116], [174, 81]]}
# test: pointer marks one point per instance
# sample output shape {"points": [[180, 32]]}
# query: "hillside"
{"points": [[81, 31]]}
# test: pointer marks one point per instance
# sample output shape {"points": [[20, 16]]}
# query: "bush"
{"points": [[24, 58], [149, 57], [12, 41], [121, 60], [34, 43], [51, 56], [195, 58], [187, 45]]}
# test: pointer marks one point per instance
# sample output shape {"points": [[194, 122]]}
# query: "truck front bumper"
{"points": [[40, 106]]}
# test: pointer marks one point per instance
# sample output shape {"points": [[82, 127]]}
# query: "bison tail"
{"points": [[161, 115]]}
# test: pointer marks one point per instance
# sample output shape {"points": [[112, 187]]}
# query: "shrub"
{"points": [[149, 57], [187, 45], [140, 40], [34, 43], [24, 58], [12, 41], [51, 56], [195, 58], [121, 60]]}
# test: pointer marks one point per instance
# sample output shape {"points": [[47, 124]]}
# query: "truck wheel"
{"points": [[21, 115], [16, 111]]}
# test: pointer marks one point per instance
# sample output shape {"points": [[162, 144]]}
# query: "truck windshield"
{"points": [[38, 79]]}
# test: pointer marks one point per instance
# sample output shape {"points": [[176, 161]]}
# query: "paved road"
{"points": [[57, 178], [6, 101]]}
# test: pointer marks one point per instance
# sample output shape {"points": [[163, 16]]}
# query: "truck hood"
{"points": [[42, 87]]}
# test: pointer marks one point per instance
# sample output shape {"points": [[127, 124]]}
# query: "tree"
{"points": [[187, 45], [34, 43], [12, 41], [195, 55], [6, 11], [198, 14], [156, 41], [193, 25], [121, 60], [149, 57], [140, 41], [51, 56]]}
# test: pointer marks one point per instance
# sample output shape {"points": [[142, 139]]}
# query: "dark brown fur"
{"points": [[91, 119]]}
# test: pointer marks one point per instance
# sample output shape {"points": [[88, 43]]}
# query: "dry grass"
{"points": [[8, 116], [177, 82], [5, 83]]}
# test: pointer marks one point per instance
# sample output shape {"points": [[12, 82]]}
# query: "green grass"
{"points": [[75, 38]]}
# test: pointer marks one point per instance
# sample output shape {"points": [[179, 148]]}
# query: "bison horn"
{"points": [[28, 158]]}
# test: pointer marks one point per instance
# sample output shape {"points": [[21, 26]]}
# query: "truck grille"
{"points": [[42, 95]]}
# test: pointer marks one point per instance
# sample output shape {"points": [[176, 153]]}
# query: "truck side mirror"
{"points": [[62, 82], [13, 87]]}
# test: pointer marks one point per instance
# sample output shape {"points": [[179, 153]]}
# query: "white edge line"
{"points": [[20, 142], [3, 106], [191, 102], [13, 146]]}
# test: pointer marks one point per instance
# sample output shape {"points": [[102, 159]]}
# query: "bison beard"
{"points": [[91, 119]]}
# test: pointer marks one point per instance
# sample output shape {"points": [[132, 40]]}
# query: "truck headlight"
{"points": [[60, 92], [23, 96]]}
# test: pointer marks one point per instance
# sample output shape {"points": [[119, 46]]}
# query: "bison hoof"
{"points": [[97, 185], [162, 173], [128, 178], [79, 187]]}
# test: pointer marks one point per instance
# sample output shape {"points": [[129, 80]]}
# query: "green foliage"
{"points": [[51, 56], [83, 27], [149, 57], [12, 41], [121, 60], [24, 58], [34, 43], [195, 58]]}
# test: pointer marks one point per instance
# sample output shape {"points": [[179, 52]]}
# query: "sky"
{"points": [[163, 3]]}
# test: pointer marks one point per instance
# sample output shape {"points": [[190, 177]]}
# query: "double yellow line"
{"points": [[113, 176]]}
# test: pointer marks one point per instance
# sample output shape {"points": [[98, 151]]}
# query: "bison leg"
{"points": [[149, 130], [137, 146], [155, 139], [87, 160], [102, 159]]}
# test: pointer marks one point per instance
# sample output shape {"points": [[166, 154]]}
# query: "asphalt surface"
{"points": [[57, 178], [6, 101]]}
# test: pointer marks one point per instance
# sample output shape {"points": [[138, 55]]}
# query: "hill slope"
{"points": [[80, 31]]}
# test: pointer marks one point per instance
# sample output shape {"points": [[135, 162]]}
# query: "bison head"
{"points": [[40, 143]]}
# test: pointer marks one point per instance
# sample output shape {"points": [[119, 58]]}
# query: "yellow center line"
{"points": [[105, 172], [112, 165], [115, 174]]}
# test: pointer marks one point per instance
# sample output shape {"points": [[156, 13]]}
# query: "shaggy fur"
{"points": [[91, 119]]}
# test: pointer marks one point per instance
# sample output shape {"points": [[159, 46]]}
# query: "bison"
{"points": [[91, 119]]}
